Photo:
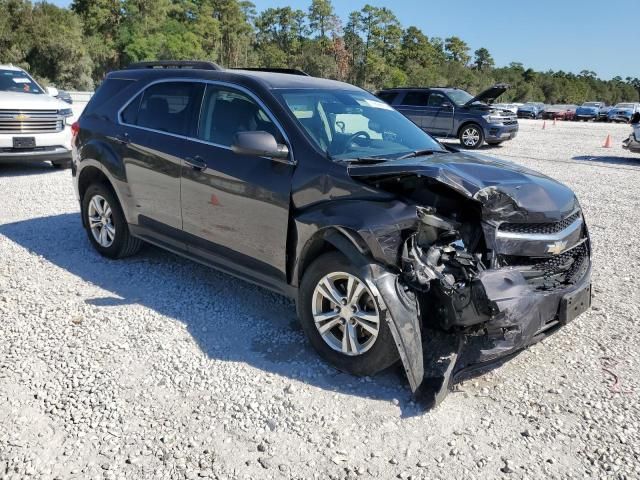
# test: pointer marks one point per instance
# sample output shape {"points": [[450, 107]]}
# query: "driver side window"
{"points": [[436, 100], [226, 111]]}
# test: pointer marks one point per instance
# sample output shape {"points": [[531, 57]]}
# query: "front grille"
{"points": [[511, 122], [550, 273], [539, 228], [30, 121]]}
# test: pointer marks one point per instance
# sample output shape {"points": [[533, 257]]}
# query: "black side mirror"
{"points": [[259, 144], [447, 105]]}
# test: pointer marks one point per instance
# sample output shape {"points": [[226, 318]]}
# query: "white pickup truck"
{"points": [[34, 126]]}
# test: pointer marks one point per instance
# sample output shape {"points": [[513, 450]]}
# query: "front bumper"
{"points": [[525, 114], [586, 116], [632, 144], [42, 154], [500, 133], [620, 118], [52, 146]]}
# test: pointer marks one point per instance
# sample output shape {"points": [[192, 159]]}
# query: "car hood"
{"points": [[528, 108], [506, 191], [490, 94], [30, 101], [621, 110]]}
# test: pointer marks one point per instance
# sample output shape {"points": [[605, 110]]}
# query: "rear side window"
{"points": [[171, 107], [106, 91], [416, 99], [387, 97]]}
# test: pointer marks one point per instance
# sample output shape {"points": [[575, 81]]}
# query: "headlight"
{"points": [[65, 112], [494, 119]]}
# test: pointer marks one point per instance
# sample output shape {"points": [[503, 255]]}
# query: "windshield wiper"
{"points": [[366, 160], [419, 153]]}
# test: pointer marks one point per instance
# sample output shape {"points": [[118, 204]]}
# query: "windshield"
{"points": [[591, 104], [624, 105], [17, 81], [351, 124], [459, 97]]}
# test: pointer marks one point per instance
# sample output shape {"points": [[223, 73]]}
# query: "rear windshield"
{"points": [[18, 81], [107, 90]]}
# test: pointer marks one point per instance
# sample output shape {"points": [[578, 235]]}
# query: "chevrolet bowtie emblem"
{"points": [[21, 117], [557, 248]]}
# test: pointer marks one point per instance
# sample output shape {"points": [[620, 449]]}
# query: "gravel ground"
{"points": [[158, 368]]}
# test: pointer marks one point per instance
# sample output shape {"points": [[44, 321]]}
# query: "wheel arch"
{"points": [[340, 239], [466, 123]]}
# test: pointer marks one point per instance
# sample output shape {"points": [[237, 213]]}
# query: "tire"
{"points": [[61, 164], [119, 242], [375, 356], [471, 140]]}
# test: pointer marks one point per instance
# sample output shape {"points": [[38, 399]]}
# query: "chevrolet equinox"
{"points": [[394, 247]]}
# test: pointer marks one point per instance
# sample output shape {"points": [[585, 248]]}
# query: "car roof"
{"points": [[11, 67], [268, 80], [405, 89]]}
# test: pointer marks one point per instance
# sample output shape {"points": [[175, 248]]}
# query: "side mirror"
{"points": [[259, 144], [53, 91], [447, 105]]}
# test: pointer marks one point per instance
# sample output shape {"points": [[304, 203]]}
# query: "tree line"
{"points": [[75, 47]]}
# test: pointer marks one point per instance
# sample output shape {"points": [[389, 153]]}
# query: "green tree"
{"points": [[483, 60], [457, 50]]}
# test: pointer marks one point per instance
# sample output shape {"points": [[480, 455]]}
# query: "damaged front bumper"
{"points": [[520, 316]]}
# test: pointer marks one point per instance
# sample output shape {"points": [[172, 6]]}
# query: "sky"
{"points": [[569, 35]]}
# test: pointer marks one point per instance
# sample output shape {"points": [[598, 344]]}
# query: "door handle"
{"points": [[123, 138], [197, 163]]}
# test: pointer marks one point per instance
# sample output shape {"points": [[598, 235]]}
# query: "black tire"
{"points": [[61, 164], [479, 134], [381, 355], [123, 244]]}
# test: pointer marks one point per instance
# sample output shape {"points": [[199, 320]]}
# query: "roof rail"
{"points": [[290, 71], [187, 64]]}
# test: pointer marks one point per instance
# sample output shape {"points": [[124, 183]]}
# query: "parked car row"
{"points": [[588, 111]]}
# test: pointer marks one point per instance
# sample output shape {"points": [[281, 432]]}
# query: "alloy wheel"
{"points": [[470, 137], [345, 313], [100, 217]]}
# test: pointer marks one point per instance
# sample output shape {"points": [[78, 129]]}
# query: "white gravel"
{"points": [[158, 368]]}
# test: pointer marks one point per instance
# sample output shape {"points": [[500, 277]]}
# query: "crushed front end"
{"points": [[493, 271]]}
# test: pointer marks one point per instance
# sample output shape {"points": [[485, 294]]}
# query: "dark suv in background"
{"points": [[451, 112], [320, 191]]}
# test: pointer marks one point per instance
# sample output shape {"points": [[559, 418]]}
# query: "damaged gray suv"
{"points": [[395, 247]]}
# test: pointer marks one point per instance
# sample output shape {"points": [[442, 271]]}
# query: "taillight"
{"points": [[75, 129]]}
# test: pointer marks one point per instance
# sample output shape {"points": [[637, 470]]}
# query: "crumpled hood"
{"points": [[505, 190], [490, 94], [30, 101]]}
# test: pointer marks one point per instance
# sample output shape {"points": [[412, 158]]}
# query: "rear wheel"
{"points": [[342, 318], [105, 223], [471, 136]]}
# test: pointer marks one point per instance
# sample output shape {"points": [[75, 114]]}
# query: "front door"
{"points": [[235, 208]]}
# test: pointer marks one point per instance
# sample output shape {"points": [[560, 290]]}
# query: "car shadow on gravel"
{"points": [[231, 320], [631, 160], [25, 169]]}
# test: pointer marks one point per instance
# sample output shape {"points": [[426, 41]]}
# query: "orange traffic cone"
{"points": [[607, 142], [544, 125]]}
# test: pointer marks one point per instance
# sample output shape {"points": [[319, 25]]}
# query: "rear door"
{"points": [[414, 106], [155, 125], [235, 208]]}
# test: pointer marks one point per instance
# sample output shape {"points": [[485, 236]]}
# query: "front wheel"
{"points": [[342, 317], [471, 136]]}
